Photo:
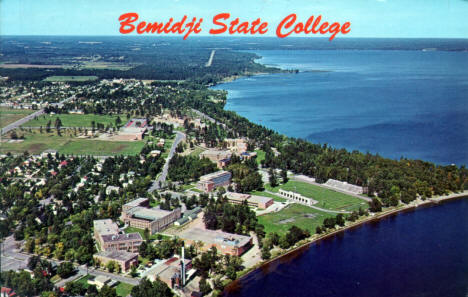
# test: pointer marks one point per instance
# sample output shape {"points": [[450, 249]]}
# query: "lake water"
{"points": [[417, 253], [409, 103]]}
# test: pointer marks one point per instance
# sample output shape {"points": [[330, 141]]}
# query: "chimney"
{"points": [[183, 266]]}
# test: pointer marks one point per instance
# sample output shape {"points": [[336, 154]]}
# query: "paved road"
{"points": [[20, 122], [27, 118], [162, 177]]}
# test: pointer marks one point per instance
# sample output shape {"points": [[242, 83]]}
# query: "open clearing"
{"points": [[326, 198], [10, 115], [62, 78], [294, 214], [36, 143], [75, 120]]}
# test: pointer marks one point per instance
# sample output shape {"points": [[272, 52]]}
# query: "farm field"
{"points": [[326, 198], [75, 120], [36, 143], [77, 78], [10, 115], [294, 214]]}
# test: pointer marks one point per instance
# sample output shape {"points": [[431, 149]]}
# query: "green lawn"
{"points": [[123, 289], [10, 115], [84, 280], [79, 78], [141, 231], [265, 194], [197, 151], [326, 198], [75, 120], [294, 214], [260, 156], [36, 143], [101, 148]]}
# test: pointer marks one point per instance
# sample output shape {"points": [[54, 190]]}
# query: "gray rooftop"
{"points": [[122, 237], [117, 255], [215, 237], [105, 227]]}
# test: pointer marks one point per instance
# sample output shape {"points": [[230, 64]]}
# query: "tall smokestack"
{"points": [[183, 266]]}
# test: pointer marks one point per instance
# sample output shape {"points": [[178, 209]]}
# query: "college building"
{"points": [[107, 234], [210, 182], [125, 259], [252, 200], [138, 214], [225, 243]]}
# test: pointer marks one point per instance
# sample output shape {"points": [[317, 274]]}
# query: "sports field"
{"points": [[326, 198], [294, 214]]}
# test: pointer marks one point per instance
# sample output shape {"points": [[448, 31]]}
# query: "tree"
{"points": [[284, 176], [375, 205], [65, 269], [107, 291], [273, 180], [266, 253], [204, 286], [340, 221]]}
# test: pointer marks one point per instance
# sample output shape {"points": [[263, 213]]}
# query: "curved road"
{"points": [[162, 177]]}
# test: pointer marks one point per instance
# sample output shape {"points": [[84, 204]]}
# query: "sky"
{"points": [[369, 18]]}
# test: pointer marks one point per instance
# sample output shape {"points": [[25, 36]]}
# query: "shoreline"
{"points": [[414, 205]]}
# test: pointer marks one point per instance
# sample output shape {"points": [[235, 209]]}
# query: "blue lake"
{"points": [[417, 253], [408, 103]]}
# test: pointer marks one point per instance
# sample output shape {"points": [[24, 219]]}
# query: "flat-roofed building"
{"points": [[107, 235], [153, 219], [125, 259], [221, 158], [252, 200], [104, 227], [144, 202], [209, 182], [225, 243], [129, 242]]}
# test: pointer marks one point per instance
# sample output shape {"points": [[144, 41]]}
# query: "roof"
{"points": [[121, 237], [214, 174], [259, 199], [117, 255], [192, 211], [151, 214], [136, 202], [215, 237], [105, 227], [237, 196], [182, 220]]}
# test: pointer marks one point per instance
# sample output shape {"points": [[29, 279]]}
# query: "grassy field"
{"points": [[10, 115], [326, 198], [197, 151], [142, 232], [84, 280], [260, 156], [60, 78], [265, 194], [123, 289], [75, 120], [36, 143], [294, 214]]}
